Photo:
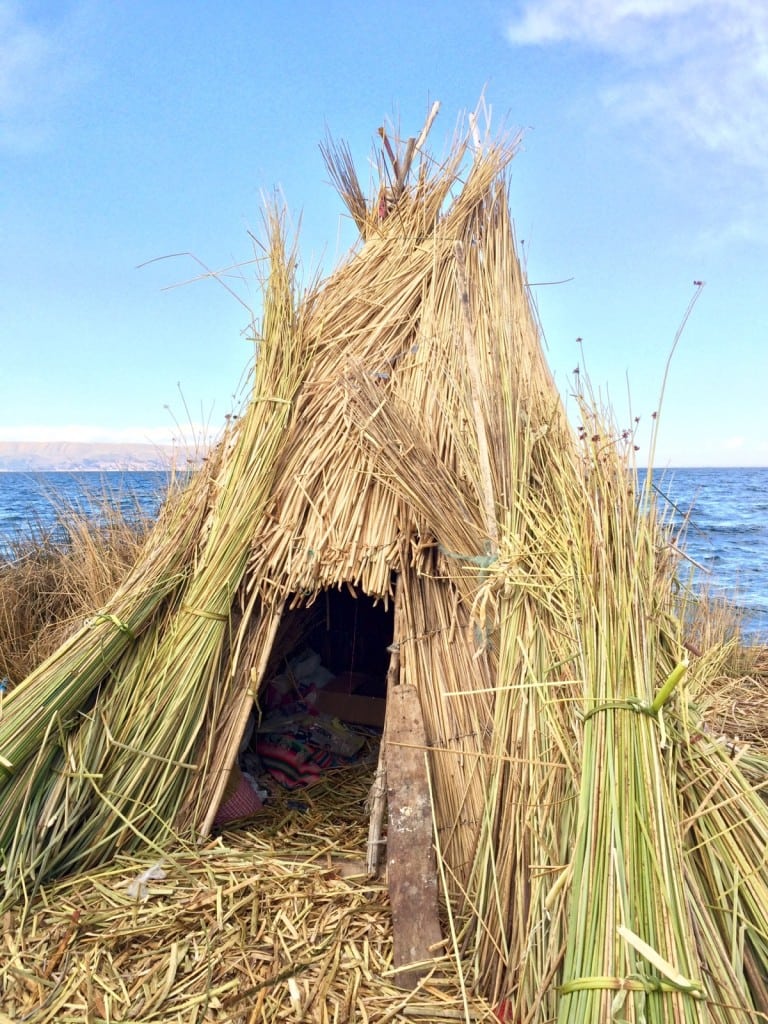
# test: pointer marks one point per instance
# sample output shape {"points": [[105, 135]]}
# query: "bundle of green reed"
{"points": [[45, 706], [115, 775], [628, 880]]}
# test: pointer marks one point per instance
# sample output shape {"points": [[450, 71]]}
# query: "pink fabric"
{"points": [[243, 803]]}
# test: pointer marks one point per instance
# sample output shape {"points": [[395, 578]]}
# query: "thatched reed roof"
{"points": [[391, 327]]}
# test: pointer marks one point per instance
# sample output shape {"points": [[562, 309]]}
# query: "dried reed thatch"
{"points": [[601, 856]]}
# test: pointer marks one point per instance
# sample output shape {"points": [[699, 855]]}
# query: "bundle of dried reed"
{"points": [[556, 820]]}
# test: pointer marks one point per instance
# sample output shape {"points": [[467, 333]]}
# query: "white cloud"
{"points": [[696, 71], [23, 55], [613, 25], [43, 62]]}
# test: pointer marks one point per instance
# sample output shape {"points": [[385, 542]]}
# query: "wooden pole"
{"points": [[377, 801], [377, 797]]}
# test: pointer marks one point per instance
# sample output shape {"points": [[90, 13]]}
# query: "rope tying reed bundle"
{"points": [[631, 704], [203, 613], [634, 983], [481, 561], [638, 706], [109, 617]]}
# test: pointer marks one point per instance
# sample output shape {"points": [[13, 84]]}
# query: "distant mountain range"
{"points": [[69, 456]]}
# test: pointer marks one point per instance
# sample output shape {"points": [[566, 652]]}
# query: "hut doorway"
{"points": [[322, 700], [352, 635], [348, 633]]}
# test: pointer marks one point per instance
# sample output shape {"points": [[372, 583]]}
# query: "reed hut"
{"points": [[404, 480]]}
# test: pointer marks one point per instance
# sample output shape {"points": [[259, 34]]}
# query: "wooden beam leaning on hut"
{"points": [[411, 865]]}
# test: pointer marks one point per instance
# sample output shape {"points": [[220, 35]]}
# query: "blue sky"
{"points": [[131, 131]]}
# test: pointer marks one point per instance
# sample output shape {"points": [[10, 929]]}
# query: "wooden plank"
{"points": [[351, 707], [377, 798], [411, 865]]}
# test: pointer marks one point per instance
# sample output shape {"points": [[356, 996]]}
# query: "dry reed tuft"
{"points": [[53, 578]]}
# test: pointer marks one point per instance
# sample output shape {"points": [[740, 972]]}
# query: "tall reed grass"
{"points": [[52, 577]]}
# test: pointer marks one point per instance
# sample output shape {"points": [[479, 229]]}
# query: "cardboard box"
{"points": [[352, 708]]}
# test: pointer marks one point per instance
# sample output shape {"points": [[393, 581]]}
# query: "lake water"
{"points": [[726, 510], [34, 502], [726, 534]]}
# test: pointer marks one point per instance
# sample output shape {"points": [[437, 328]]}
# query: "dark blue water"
{"points": [[35, 504], [725, 512]]}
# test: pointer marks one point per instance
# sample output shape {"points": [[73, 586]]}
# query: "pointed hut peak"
{"points": [[408, 173]]}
